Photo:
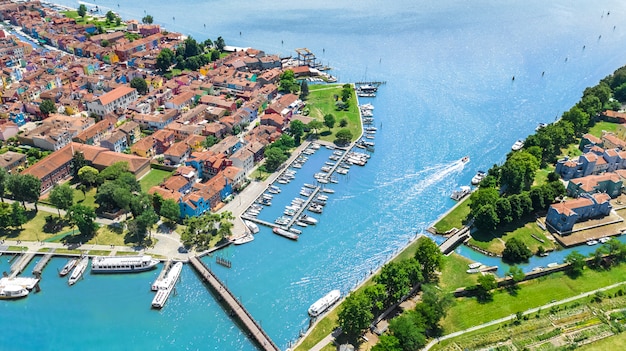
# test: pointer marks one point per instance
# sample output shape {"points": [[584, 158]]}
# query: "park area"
{"points": [[321, 101]]}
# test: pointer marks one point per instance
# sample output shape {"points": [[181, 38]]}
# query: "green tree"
{"points": [[6, 219], [314, 125], [25, 188], [518, 172], [18, 215], [209, 141], [287, 82], [4, 176], [139, 84], [355, 315], [486, 218], [433, 308], [191, 47], [387, 343], [396, 279], [579, 118], [82, 10], [343, 123], [576, 262], [515, 251], [297, 130], [83, 217], [329, 121], [165, 59], [487, 282], [483, 196], [110, 16], [274, 157], [78, 162], [47, 107], [147, 19], [88, 175], [61, 197], [104, 43], [113, 171], [408, 328], [503, 210], [343, 136], [428, 254], [377, 293], [304, 90], [170, 210], [220, 44]]}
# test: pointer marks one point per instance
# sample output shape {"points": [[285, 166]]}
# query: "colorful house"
{"points": [[561, 217]]}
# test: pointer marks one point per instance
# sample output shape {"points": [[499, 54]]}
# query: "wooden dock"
{"points": [[254, 329], [19, 265], [305, 205], [42, 263], [454, 240]]}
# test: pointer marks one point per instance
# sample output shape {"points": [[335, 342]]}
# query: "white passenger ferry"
{"points": [[165, 286], [122, 264], [322, 304]]}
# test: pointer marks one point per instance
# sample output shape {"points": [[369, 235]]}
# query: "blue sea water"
{"points": [[449, 93]]}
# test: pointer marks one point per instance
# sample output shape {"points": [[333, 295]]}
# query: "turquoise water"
{"points": [[449, 93]]}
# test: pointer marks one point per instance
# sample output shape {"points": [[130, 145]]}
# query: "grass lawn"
{"points": [[68, 251], [571, 151], [17, 248], [541, 177], [615, 342], [494, 241], [455, 218], [89, 199], [99, 252], [260, 175], [468, 312], [321, 102], [152, 178], [453, 275], [597, 129], [34, 229], [126, 253]]}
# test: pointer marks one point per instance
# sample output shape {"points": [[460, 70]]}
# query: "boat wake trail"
{"points": [[432, 179], [436, 168]]}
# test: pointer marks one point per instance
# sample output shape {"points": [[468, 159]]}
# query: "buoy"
{"points": [[513, 78]]}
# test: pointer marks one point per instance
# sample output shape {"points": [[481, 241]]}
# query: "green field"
{"points": [[152, 178], [597, 129], [455, 218], [34, 229], [453, 275], [468, 312], [494, 241], [321, 102]]}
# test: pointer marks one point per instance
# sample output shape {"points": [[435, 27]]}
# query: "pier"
{"points": [[238, 310], [454, 240], [306, 204], [19, 265], [42, 263]]}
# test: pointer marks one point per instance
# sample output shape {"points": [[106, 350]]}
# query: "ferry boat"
{"points": [[244, 239], [68, 267], [480, 175], [519, 144], [287, 234], [321, 305], [78, 271], [252, 226], [166, 285], [10, 292], [122, 264]]}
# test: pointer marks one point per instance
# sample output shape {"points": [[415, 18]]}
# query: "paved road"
{"points": [[510, 317]]}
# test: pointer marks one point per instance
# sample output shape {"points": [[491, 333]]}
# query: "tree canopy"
{"points": [[430, 257], [147, 19], [82, 10], [515, 251], [355, 314], [139, 84], [62, 197], [47, 107]]}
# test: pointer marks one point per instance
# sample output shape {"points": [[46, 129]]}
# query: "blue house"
{"points": [[561, 217]]}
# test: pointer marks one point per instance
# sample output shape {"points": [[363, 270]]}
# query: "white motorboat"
{"points": [[461, 193], [254, 228], [67, 268], [287, 234], [519, 144], [592, 242], [295, 231], [244, 239], [307, 185], [604, 240], [78, 271], [307, 219], [321, 305], [328, 190], [10, 292], [301, 224], [474, 265], [480, 175]]}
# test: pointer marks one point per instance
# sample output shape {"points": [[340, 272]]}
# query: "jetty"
{"points": [[42, 263], [304, 206], [237, 309], [454, 240], [19, 265]]}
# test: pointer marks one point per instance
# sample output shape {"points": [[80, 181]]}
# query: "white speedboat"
{"points": [[301, 224], [78, 271], [244, 239], [252, 226], [592, 242], [68, 267], [604, 240], [295, 231], [461, 193], [480, 175], [519, 144], [10, 292], [321, 305], [465, 159], [474, 265], [328, 190], [122, 264], [307, 219]]}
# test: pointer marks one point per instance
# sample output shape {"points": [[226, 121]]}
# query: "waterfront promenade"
{"points": [[237, 309]]}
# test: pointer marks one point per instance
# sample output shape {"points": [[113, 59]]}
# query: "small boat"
{"points": [[78, 271], [328, 190], [297, 165], [473, 271], [316, 208], [289, 212], [281, 220], [367, 106], [287, 234], [329, 163], [324, 303], [68, 267], [309, 185], [461, 193], [244, 239], [465, 159], [592, 242], [552, 265], [480, 175], [334, 181], [540, 126], [295, 231], [322, 181], [273, 191], [307, 219], [604, 240], [474, 265], [326, 169], [322, 197], [301, 224], [282, 181], [519, 144], [254, 228], [274, 187], [10, 292]]}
